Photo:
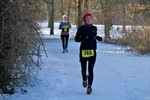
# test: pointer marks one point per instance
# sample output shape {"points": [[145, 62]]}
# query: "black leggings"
{"points": [[64, 39], [91, 62]]}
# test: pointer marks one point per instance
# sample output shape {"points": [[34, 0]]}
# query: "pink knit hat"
{"points": [[85, 15], [65, 16]]}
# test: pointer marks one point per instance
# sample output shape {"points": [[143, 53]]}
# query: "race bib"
{"points": [[65, 28], [87, 53]]}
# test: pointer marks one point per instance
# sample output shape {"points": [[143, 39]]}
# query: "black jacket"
{"points": [[86, 35]]}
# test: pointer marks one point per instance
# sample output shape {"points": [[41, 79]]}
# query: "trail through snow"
{"points": [[118, 75]]}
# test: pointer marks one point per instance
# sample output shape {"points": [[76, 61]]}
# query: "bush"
{"points": [[19, 43], [138, 39]]}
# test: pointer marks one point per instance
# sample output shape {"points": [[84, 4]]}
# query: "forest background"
{"points": [[20, 41]]}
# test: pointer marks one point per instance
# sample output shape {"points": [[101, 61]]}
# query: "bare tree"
{"points": [[107, 12], [79, 13], [50, 9], [69, 7]]}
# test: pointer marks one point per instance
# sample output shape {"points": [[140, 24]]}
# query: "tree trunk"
{"points": [[51, 16], [79, 13], [107, 25], [62, 8], [124, 20], [48, 15], [76, 15], [69, 6], [86, 6]]}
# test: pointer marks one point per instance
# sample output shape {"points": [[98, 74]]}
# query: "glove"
{"points": [[98, 38]]}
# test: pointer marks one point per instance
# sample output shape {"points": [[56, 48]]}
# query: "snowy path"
{"points": [[118, 75]]}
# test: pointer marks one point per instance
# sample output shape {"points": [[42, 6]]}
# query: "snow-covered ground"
{"points": [[115, 30], [118, 75]]}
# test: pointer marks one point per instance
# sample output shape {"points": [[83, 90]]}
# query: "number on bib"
{"points": [[87, 53], [65, 28]]}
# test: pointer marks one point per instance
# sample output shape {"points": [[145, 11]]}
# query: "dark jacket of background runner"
{"points": [[64, 24]]}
